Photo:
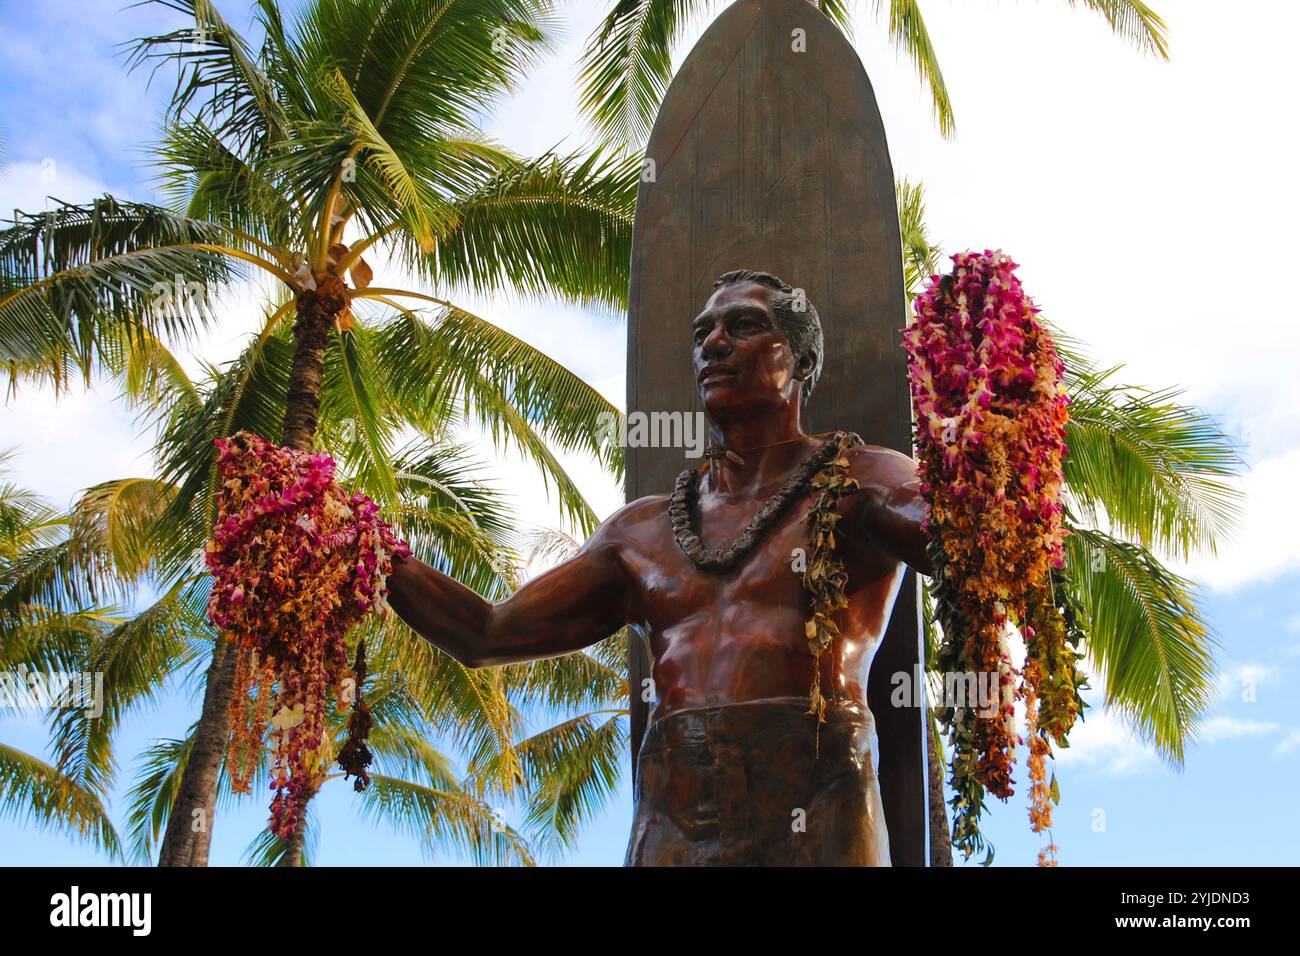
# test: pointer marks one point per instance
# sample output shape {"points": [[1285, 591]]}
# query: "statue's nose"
{"points": [[716, 343]]}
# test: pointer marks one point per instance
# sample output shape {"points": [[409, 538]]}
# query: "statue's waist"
{"points": [[764, 729], [738, 771]]}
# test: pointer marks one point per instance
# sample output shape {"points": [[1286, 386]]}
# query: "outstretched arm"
{"points": [[894, 509], [571, 606]]}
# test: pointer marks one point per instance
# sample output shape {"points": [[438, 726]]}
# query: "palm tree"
{"points": [[360, 117], [46, 636], [1145, 476], [157, 525], [350, 129], [627, 65]]}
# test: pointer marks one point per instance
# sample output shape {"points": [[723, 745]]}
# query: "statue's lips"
{"points": [[714, 373]]}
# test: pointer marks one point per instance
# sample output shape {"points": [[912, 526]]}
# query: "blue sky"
{"points": [[1145, 202]]}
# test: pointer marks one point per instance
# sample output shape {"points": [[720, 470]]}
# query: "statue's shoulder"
{"points": [[643, 508], [880, 466], [631, 520]]}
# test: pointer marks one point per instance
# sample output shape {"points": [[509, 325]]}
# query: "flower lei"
{"points": [[295, 562], [824, 576], [722, 559], [991, 410]]}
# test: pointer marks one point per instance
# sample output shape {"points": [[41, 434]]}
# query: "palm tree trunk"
{"points": [[940, 837], [293, 855], [183, 844], [317, 310], [189, 825]]}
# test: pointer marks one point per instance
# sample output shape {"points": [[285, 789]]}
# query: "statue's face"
{"points": [[743, 363]]}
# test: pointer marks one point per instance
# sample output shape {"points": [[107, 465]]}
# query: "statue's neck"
{"points": [[769, 447]]}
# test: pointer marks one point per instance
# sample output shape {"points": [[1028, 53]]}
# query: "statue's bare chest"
{"points": [[768, 580]]}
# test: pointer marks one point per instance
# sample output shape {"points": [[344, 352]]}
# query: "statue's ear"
{"points": [[804, 367]]}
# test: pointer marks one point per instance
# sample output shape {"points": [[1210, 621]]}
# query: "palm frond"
{"points": [[54, 641], [550, 545], [66, 562], [206, 179], [420, 66], [518, 394], [218, 79], [355, 395], [150, 799], [414, 201], [1155, 468], [573, 769], [920, 253], [580, 679], [555, 225], [267, 849], [1147, 637], [454, 521], [907, 30], [1134, 21], [26, 521], [627, 65], [78, 276], [33, 793], [470, 706], [119, 516], [447, 821], [135, 660], [248, 394], [406, 753], [151, 377]]}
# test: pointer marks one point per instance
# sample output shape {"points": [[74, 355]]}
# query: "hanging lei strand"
{"points": [[991, 411], [296, 561], [824, 576]]}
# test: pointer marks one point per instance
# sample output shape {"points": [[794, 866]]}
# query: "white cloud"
{"points": [[88, 436], [1267, 542], [1289, 744], [66, 446], [73, 99], [1105, 741], [1102, 741], [1228, 728], [1137, 195], [1137, 201], [1243, 680], [26, 184]]}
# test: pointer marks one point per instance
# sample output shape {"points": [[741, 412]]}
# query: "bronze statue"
{"points": [[734, 769]]}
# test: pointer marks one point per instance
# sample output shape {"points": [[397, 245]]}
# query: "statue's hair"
{"points": [[802, 327]]}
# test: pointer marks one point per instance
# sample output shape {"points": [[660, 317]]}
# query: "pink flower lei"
{"points": [[296, 561], [990, 411]]}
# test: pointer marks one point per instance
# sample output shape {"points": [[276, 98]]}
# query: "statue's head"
{"points": [[757, 342]]}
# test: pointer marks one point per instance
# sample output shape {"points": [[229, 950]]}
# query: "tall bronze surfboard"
{"points": [[769, 153]]}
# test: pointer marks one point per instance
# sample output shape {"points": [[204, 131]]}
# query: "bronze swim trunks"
{"points": [[750, 784]]}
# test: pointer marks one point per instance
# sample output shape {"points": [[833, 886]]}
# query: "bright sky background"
{"points": [[1143, 200]]}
